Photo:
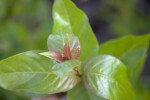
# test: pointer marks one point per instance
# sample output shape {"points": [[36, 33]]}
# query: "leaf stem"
{"points": [[78, 73]]}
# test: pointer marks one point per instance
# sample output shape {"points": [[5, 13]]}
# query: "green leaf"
{"points": [[34, 73], [142, 90], [8, 95], [106, 76], [131, 50], [26, 94], [67, 17], [80, 93]]}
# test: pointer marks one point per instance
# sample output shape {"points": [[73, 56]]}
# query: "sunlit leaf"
{"points": [[106, 76], [131, 50], [32, 72], [67, 17]]}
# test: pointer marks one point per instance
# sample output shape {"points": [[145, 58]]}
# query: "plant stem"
{"points": [[78, 73]]}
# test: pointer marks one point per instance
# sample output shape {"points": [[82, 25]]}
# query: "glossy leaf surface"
{"points": [[106, 76], [67, 17], [131, 50], [32, 72]]}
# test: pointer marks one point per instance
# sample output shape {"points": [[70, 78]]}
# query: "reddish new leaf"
{"points": [[63, 46], [66, 51], [53, 55], [75, 47]]}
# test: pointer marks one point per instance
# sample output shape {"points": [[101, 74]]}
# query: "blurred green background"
{"points": [[26, 24]]}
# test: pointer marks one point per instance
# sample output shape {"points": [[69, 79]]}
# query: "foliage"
{"points": [[75, 21], [106, 76], [106, 72], [128, 49]]}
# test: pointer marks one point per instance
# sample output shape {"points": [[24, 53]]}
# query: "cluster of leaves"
{"points": [[109, 71]]}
